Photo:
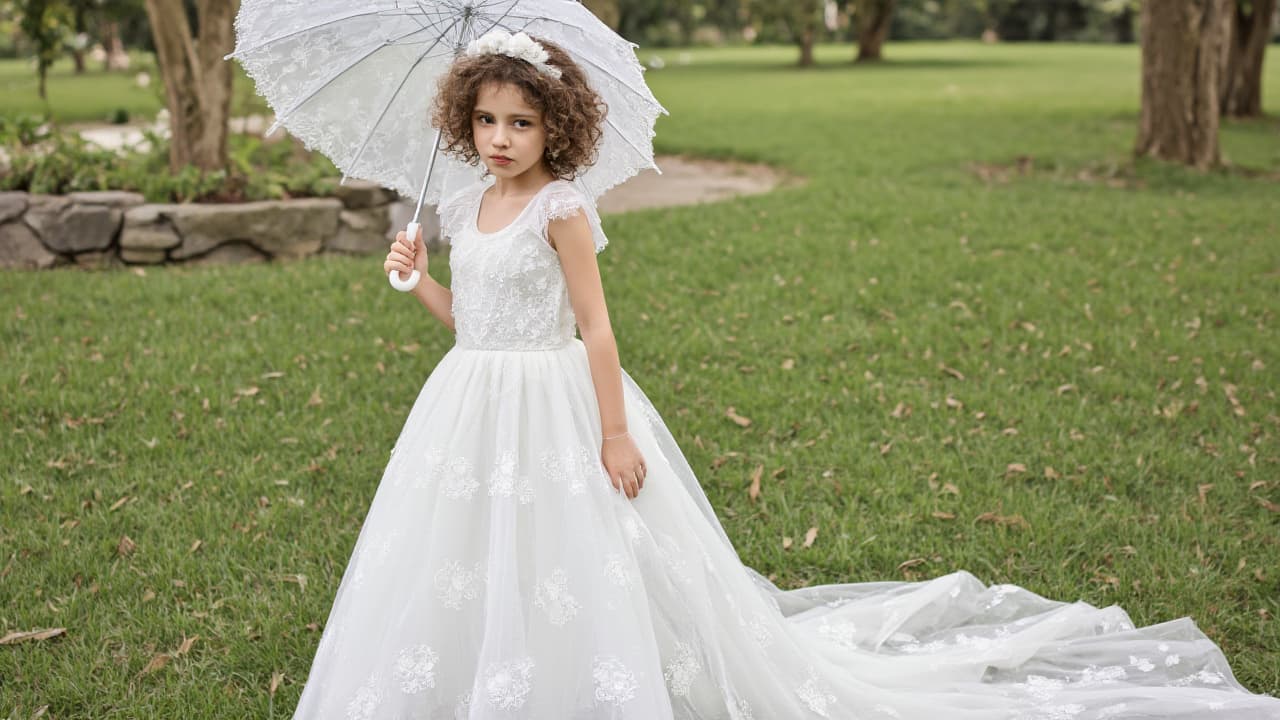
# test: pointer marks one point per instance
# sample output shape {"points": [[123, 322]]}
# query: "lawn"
{"points": [[97, 96], [979, 337]]}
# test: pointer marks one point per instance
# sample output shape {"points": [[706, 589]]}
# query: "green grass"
{"points": [[1090, 320], [96, 95]]}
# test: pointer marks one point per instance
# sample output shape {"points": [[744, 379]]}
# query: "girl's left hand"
{"points": [[625, 464]]}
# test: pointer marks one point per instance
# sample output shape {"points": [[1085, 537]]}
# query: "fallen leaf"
{"points": [[156, 663], [810, 535], [734, 416], [300, 579], [753, 492], [913, 562], [125, 546], [1269, 505], [786, 543], [276, 678], [1014, 469], [1005, 520], [14, 638], [942, 515], [1050, 473], [185, 647], [1203, 490]]}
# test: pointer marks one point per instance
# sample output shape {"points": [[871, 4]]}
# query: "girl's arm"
{"points": [[405, 255], [437, 298], [571, 237]]}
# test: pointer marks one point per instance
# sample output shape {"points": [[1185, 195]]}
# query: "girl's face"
{"points": [[509, 134]]}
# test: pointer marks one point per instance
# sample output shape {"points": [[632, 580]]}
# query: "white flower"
{"points": [[519, 46]]}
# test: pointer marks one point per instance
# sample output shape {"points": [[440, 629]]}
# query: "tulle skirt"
{"points": [[499, 575]]}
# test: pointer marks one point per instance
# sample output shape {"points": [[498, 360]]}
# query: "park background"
{"points": [[988, 331]]}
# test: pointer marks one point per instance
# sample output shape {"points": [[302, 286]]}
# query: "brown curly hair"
{"points": [[572, 113]]}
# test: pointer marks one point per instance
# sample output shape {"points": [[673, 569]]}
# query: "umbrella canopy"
{"points": [[355, 81]]}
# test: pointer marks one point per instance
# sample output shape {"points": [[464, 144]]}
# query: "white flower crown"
{"points": [[519, 46]]}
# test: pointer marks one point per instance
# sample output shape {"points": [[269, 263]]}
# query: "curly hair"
{"points": [[572, 113]]}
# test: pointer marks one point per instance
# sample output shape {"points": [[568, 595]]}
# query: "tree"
{"points": [[197, 80], [801, 19], [1181, 51], [1240, 86], [44, 22], [874, 18]]}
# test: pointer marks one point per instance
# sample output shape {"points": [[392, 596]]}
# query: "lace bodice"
{"points": [[509, 291]]}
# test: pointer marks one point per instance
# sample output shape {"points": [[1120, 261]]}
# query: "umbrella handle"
{"points": [[405, 285]]}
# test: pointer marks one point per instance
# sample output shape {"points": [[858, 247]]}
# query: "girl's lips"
{"points": [[501, 160]]}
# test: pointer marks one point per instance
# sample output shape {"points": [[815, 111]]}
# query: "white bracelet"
{"points": [[611, 437]]}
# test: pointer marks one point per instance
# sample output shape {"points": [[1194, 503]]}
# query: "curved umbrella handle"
{"points": [[405, 285]]}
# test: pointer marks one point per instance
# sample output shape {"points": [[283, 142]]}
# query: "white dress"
{"points": [[498, 575]]}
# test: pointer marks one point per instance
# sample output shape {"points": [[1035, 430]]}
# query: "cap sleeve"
{"points": [[566, 200], [453, 210]]}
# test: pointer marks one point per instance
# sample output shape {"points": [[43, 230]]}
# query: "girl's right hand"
{"points": [[405, 257]]}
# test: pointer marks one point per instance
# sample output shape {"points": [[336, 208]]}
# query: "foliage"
{"points": [[45, 159]]}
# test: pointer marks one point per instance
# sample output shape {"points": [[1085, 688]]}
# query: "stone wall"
{"points": [[108, 229]]}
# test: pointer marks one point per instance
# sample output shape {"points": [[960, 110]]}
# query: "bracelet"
{"points": [[611, 437]]}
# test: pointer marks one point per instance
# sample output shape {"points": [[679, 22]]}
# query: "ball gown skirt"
{"points": [[498, 575]]}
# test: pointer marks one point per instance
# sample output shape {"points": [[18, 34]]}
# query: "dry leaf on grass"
{"points": [[1006, 520], [810, 535], [754, 491], [734, 416], [16, 637]]}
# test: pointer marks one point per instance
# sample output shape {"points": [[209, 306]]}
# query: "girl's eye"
{"points": [[526, 123]]}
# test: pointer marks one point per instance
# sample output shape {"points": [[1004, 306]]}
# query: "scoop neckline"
{"points": [[475, 211]]}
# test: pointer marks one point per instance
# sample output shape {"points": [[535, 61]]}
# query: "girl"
{"points": [[538, 547]]}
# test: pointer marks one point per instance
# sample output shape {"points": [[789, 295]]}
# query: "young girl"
{"points": [[538, 547]]}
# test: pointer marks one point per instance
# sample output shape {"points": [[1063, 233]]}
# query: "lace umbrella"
{"points": [[355, 81]]}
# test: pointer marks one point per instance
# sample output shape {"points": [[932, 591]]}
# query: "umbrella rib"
{"points": [[374, 128], [386, 43]]}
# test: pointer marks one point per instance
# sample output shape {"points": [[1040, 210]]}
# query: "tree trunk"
{"points": [[1181, 53], [806, 45], [874, 18], [1124, 25], [197, 80], [1240, 86], [1050, 31], [82, 27], [111, 44]]}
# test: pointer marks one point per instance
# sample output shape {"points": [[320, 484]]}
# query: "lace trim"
{"points": [[564, 200]]}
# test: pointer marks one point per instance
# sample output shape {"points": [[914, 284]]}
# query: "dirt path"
{"points": [[684, 180], [689, 181]]}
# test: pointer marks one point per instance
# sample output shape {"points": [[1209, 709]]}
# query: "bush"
{"points": [[42, 158]]}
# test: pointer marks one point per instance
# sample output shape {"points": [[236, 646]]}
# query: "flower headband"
{"points": [[519, 46]]}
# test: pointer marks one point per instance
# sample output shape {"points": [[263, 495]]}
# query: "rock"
{"points": [[401, 213], [12, 205], [69, 227], [361, 194], [110, 198], [361, 232], [288, 228], [143, 257], [20, 247], [98, 260], [230, 254], [146, 229]]}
